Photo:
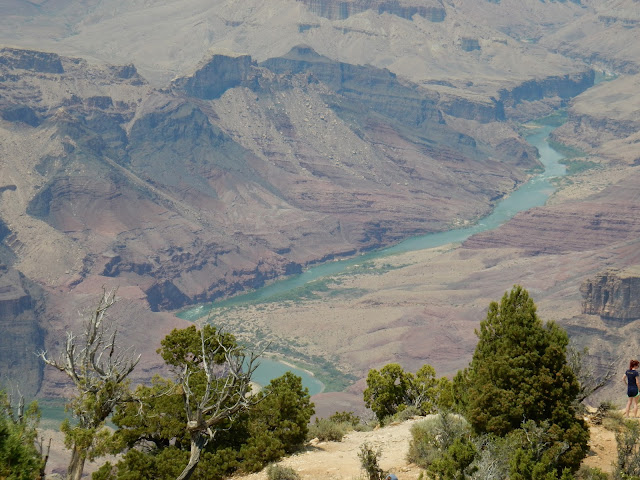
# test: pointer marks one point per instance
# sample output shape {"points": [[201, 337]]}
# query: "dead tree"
{"points": [[226, 371], [99, 371], [590, 377]]}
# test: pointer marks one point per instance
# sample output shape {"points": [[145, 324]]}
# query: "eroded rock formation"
{"points": [[432, 10], [22, 335], [613, 294], [166, 189]]}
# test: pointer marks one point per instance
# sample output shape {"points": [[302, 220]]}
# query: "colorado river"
{"points": [[534, 193]]}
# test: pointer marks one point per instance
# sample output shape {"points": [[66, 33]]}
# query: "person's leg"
{"points": [[626, 411], [635, 406]]}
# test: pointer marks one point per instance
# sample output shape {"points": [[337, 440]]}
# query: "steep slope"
{"points": [[154, 188], [234, 175], [258, 140]]}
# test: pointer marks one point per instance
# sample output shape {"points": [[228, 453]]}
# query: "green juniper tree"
{"points": [[391, 390], [19, 457], [386, 390], [519, 373], [209, 422]]}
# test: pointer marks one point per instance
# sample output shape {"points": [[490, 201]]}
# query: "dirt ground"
{"points": [[339, 460]]}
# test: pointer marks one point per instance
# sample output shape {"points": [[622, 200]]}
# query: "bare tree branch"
{"points": [[227, 372], [590, 377], [98, 369]]}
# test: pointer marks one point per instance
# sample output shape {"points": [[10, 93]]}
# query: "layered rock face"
{"points": [[432, 10], [604, 121], [22, 333], [614, 294], [564, 87], [610, 217], [344, 126], [176, 191], [43, 62], [613, 28], [216, 75]]}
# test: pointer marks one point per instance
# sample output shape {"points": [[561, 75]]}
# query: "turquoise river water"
{"points": [[534, 193]]}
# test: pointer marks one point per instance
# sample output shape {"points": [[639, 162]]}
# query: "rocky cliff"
{"points": [[562, 87], [613, 294], [43, 62], [342, 126], [216, 75], [21, 305], [174, 190], [432, 10]]}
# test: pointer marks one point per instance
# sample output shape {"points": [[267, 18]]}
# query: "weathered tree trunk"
{"points": [[198, 442], [76, 465]]}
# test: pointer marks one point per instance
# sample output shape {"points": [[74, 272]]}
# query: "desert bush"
{"points": [[613, 420], [492, 458], [603, 410], [432, 437], [588, 473], [278, 472], [346, 417], [628, 464], [328, 430], [369, 460], [392, 390], [406, 414]]}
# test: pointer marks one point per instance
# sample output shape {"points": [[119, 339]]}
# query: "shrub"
{"points": [[19, 458], [346, 417], [369, 460], [612, 419], [588, 473], [432, 437], [406, 414], [328, 430], [392, 390], [278, 472], [628, 465], [535, 451], [492, 458]]}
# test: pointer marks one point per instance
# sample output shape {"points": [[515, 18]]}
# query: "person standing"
{"points": [[631, 379]]}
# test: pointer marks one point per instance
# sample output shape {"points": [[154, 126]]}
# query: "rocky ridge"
{"points": [[340, 10]]}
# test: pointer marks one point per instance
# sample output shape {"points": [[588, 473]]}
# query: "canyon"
{"points": [[189, 153]]}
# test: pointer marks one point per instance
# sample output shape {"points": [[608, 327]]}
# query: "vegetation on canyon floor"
{"points": [[513, 413]]}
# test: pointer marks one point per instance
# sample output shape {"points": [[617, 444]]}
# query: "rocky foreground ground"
{"points": [[339, 460]]}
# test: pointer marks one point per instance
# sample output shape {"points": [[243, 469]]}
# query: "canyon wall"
{"points": [[432, 10], [613, 294], [22, 335]]}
